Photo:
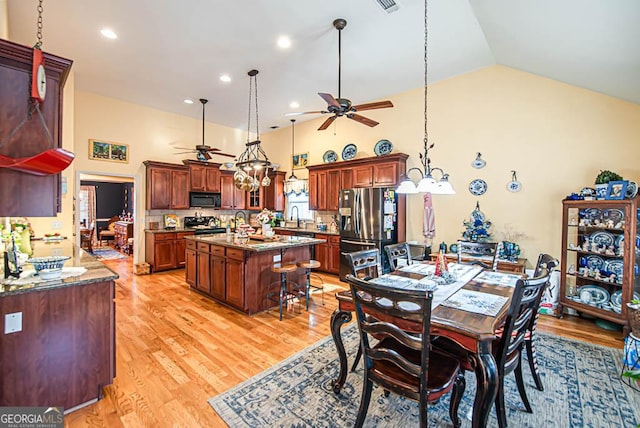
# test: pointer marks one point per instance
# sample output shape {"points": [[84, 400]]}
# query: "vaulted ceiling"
{"points": [[169, 50]]}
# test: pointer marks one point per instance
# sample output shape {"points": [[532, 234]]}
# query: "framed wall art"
{"points": [[299, 161], [108, 151], [617, 189]]}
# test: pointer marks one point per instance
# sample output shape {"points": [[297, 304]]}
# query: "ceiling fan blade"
{"points": [[223, 154], [305, 112], [326, 123], [329, 99], [206, 155], [185, 148], [362, 119], [372, 106], [182, 153]]}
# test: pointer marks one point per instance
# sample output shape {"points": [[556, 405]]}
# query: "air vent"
{"points": [[388, 5]]}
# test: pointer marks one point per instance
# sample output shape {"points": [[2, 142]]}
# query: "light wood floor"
{"points": [[175, 349]]}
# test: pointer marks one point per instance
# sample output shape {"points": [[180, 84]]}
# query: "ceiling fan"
{"points": [[204, 152], [342, 106]]}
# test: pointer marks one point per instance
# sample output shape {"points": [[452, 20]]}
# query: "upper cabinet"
{"points": [[204, 176], [167, 186], [231, 197], [24, 194], [274, 193]]}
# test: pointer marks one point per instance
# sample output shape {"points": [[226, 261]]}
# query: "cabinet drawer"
{"points": [[235, 254], [181, 235], [202, 246], [334, 240], [165, 236], [191, 245], [217, 250]]}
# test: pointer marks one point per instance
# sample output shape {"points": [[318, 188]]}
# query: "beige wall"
{"points": [[556, 136]]}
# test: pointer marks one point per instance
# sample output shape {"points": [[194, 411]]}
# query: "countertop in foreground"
{"points": [[258, 246]]}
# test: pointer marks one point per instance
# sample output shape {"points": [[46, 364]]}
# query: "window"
{"points": [[301, 201]]}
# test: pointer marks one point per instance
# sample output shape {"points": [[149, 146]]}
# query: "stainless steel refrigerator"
{"points": [[368, 219]]}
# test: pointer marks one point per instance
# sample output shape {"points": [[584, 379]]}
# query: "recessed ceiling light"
{"points": [[225, 78], [294, 104], [188, 101], [284, 42], [109, 33]]}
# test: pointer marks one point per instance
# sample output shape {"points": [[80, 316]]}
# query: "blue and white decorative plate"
{"points": [[613, 214], [383, 147], [478, 187], [592, 213], [594, 262], [349, 152], [330, 156], [615, 266], [602, 238], [598, 295], [632, 190]]}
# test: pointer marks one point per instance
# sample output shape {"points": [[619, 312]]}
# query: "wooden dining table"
{"points": [[475, 333]]}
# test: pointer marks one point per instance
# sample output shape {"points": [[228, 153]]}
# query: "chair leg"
{"points": [[364, 402], [308, 287], [520, 384], [357, 360], [456, 397], [283, 289], [501, 413], [532, 357]]}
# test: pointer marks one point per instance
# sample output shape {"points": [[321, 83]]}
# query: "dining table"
{"points": [[468, 311]]}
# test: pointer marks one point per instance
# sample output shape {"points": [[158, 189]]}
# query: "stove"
{"points": [[203, 225]]}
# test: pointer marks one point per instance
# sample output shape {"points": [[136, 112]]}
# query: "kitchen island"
{"points": [[239, 275], [58, 342]]}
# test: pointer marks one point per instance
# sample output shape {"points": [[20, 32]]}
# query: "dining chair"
{"points": [[548, 262], [508, 346], [108, 232], [419, 252], [398, 254], [394, 327], [484, 254], [365, 264], [86, 238]]}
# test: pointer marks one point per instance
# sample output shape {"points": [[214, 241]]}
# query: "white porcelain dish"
{"points": [[597, 295]]}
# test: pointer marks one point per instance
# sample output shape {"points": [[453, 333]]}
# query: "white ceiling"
{"points": [[169, 50]]}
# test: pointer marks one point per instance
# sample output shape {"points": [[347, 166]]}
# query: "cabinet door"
{"points": [[218, 272], [385, 174], [212, 179], [227, 191], [313, 190], [322, 253], [159, 189], [333, 189], [197, 178], [334, 254], [191, 264], [234, 281], [239, 198], [180, 190], [164, 255], [255, 199], [322, 190], [180, 249], [203, 276], [274, 193], [346, 178], [363, 176]]}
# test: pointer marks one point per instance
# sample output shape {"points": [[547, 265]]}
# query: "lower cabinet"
{"points": [[217, 269], [165, 250], [328, 253], [234, 277]]}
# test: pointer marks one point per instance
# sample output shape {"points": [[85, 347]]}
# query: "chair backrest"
{"points": [[419, 252], [365, 263], [398, 255], [519, 315], [386, 314], [484, 254], [548, 262]]}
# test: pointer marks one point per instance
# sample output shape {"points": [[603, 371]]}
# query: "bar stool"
{"points": [[307, 265], [283, 293]]}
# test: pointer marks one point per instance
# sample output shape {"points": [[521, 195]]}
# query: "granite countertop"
{"points": [[258, 246], [81, 268], [307, 230], [177, 229]]}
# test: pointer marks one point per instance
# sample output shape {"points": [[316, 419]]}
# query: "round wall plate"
{"points": [[478, 187], [514, 186]]}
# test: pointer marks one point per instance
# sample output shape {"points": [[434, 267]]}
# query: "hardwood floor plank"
{"points": [[175, 349]]}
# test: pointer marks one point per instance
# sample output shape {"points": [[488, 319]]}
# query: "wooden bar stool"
{"points": [[307, 265], [283, 294]]}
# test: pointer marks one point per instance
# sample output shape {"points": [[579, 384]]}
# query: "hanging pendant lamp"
{"points": [[293, 177]]}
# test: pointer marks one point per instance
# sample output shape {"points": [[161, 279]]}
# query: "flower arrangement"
{"points": [[266, 216]]}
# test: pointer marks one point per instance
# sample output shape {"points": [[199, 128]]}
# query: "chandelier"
{"points": [[427, 183], [253, 160]]}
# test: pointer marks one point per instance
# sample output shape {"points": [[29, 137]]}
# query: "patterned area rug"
{"points": [[108, 253], [582, 389]]}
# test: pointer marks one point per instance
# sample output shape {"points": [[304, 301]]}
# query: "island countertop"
{"points": [[92, 270], [258, 246]]}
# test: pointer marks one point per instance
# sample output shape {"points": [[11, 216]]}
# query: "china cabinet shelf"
{"points": [[579, 287]]}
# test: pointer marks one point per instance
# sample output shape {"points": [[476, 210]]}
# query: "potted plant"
{"points": [[602, 182]]}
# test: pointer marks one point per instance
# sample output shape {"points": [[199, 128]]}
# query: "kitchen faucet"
{"points": [[295, 207], [239, 214]]}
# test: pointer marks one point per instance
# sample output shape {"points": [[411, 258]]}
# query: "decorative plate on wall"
{"points": [[514, 185], [383, 147], [329, 156], [478, 187], [478, 162], [349, 152]]}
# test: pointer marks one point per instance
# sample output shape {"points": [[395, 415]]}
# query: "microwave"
{"points": [[204, 200]]}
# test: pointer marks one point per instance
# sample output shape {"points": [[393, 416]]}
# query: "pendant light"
{"points": [[293, 177], [427, 184]]}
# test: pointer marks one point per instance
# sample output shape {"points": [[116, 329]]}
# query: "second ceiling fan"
{"points": [[342, 106]]}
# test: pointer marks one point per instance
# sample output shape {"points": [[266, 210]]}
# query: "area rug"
{"points": [[582, 389], [108, 253]]}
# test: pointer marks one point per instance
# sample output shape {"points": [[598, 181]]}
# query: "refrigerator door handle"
{"points": [[364, 244], [358, 212]]}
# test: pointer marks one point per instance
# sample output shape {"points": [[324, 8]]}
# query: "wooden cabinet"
{"points": [[255, 199], [363, 176], [231, 197], [599, 258], [123, 230], [313, 189], [234, 277], [166, 250], [203, 176], [328, 253], [274, 193], [203, 267], [167, 186], [191, 263], [24, 194], [333, 189], [218, 273]]}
